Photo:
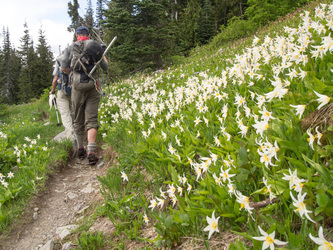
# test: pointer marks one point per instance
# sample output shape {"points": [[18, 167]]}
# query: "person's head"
{"points": [[82, 31]]}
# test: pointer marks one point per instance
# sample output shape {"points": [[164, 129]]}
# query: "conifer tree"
{"points": [[89, 16], [206, 26], [188, 25], [145, 34], [99, 16], [43, 75], [73, 12], [27, 54], [9, 71]]}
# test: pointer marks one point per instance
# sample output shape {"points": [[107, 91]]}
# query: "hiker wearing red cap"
{"points": [[77, 61]]}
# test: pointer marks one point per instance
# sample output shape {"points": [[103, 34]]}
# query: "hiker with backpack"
{"points": [[78, 61], [63, 99]]}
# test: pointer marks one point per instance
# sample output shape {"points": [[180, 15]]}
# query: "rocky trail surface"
{"points": [[70, 192]]}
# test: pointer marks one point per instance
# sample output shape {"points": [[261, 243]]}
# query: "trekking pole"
{"points": [[106, 50], [56, 109]]}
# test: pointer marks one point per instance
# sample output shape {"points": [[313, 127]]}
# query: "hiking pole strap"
{"points": [[106, 51]]}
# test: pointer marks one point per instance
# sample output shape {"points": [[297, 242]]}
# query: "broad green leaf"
{"points": [[324, 173], [127, 198], [240, 219], [269, 208], [322, 199], [319, 210], [169, 222], [184, 217]]}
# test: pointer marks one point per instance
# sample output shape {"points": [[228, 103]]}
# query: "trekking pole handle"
{"points": [[106, 51]]}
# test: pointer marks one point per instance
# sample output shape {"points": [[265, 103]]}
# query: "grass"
{"points": [[168, 158], [146, 116], [27, 152]]}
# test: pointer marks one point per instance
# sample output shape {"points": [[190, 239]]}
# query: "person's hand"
{"points": [[51, 100], [52, 92]]}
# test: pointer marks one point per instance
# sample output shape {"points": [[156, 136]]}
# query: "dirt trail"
{"points": [[68, 194]]}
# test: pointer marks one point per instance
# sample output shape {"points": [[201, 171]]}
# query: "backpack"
{"points": [[85, 54], [63, 81]]}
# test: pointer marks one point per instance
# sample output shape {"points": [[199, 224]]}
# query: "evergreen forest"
{"points": [[151, 35]]}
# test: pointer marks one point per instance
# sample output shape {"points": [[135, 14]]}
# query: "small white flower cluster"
{"points": [[3, 181]]}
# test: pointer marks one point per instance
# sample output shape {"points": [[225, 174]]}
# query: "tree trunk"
{"points": [[240, 8]]}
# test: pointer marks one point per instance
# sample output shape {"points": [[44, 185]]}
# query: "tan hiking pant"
{"points": [[65, 109], [85, 110]]}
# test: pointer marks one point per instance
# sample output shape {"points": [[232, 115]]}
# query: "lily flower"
{"points": [[244, 202], [268, 239], [311, 138], [299, 109], [212, 225], [145, 218], [124, 176], [217, 180], [324, 244], [160, 202], [153, 204], [323, 99], [225, 175], [301, 206]]}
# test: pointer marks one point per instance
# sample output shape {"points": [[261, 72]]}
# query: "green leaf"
{"points": [[318, 210], [240, 219], [294, 241], [269, 208], [322, 199], [198, 197], [169, 222], [324, 173], [174, 174], [242, 156], [228, 215], [245, 235], [297, 163], [184, 217], [127, 198], [319, 86], [203, 192], [329, 208]]}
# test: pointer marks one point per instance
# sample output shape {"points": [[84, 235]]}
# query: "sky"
{"points": [[49, 15]]}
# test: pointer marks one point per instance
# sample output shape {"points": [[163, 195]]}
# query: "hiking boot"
{"points": [[82, 153], [93, 159]]}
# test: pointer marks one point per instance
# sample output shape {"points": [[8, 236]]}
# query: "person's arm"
{"points": [[55, 78], [54, 84]]}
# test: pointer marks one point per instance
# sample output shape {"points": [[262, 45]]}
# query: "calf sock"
{"points": [[91, 147]]}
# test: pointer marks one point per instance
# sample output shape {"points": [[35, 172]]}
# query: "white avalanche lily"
{"points": [[268, 239], [324, 244], [301, 206], [323, 99], [299, 109], [212, 225]]}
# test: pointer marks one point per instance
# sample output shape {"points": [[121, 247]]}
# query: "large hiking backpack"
{"points": [[85, 54], [63, 81]]}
